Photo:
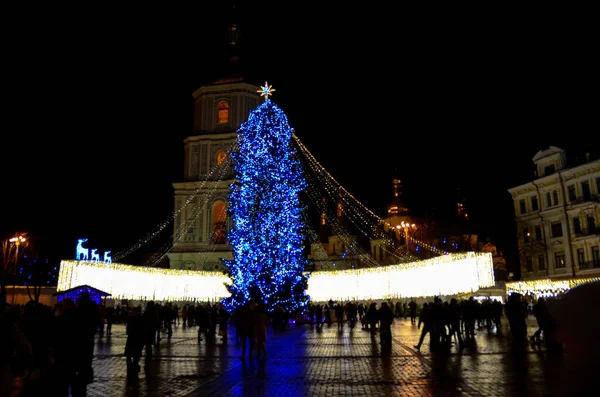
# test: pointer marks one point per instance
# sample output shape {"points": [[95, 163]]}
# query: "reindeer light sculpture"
{"points": [[95, 255], [82, 253]]}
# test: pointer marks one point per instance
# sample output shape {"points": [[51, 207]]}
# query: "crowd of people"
{"points": [[47, 350], [443, 321], [50, 349]]}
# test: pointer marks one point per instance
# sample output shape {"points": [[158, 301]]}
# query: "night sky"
{"points": [[93, 136]]}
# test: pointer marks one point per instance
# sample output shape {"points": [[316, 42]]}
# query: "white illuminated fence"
{"points": [[143, 283], [450, 274], [547, 287]]}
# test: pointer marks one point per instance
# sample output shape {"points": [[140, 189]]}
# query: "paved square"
{"points": [[306, 361]]}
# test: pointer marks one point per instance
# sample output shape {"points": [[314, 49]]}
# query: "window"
{"points": [[223, 113], [221, 157], [522, 206], [528, 264], [591, 224], [572, 193], [576, 225], [557, 229], [559, 260], [549, 169], [598, 185], [548, 200], [219, 217], [586, 194], [526, 234], [580, 257], [538, 233], [555, 197], [534, 203], [596, 256], [541, 262]]}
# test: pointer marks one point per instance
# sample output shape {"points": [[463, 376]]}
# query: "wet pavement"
{"points": [[306, 361]]}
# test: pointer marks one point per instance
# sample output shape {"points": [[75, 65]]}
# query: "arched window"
{"points": [[221, 157], [219, 217], [223, 113]]}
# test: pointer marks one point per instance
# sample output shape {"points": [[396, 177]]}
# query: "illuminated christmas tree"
{"points": [[267, 229]]}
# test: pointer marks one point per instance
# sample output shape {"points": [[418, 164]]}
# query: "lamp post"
{"points": [[406, 226], [17, 241]]}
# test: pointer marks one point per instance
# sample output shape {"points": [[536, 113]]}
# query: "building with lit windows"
{"points": [[558, 217]]}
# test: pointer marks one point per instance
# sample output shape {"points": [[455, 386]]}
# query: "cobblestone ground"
{"points": [[305, 361]]}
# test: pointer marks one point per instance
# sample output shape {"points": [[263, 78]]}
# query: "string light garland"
{"points": [[220, 168], [192, 213], [444, 275], [546, 287], [352, 248], [320, 170], [368, 227]]}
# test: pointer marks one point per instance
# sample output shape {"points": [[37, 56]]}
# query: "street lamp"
{"points": [[17, 241], [406, 226]]}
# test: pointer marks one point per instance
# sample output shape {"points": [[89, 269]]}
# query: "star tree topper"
{"points": [[266, 90]]}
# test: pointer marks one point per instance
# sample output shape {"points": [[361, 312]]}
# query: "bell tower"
{"points": [[201, 222], [397, 207]]}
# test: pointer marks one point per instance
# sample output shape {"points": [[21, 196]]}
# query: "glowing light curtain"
{"points": [[450, 274], [547, 287], [445, 275], [143, 283]]}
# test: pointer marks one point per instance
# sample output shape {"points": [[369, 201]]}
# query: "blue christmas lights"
{"points": [[75, 293], [35, 272], [267, 231]]}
